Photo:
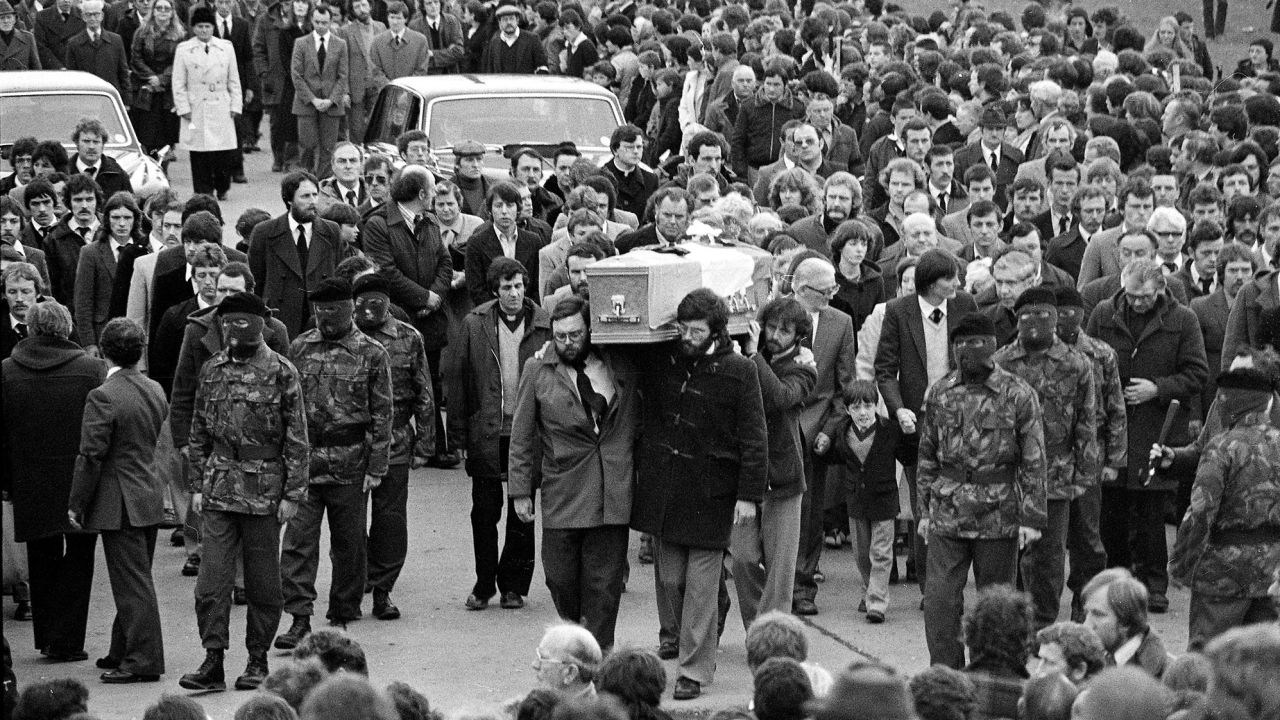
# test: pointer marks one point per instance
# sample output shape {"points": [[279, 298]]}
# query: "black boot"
{"points": [[254, 673], [209, 676], [300, 628]]}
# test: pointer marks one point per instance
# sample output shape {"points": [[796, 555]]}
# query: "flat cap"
{"points": [[331, 290], [468, 148], [243, 302], [1038, 295], [974, 323], [6, 8], [373, 282]]}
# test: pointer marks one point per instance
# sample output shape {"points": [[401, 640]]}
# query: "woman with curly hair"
{"points": [[997, 632], [151, 58], [795, 186]]}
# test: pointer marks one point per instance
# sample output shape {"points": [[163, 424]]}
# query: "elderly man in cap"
{"points": [[17, 47], [469, 177], [249, 469], [512, 50], [413, 401], [347, 388], [994, 152], [981, 476]]}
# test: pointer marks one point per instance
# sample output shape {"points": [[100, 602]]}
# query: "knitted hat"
{"points": [[331, 290], [242, 302], [506, 7], [373, 282], [1038, 295], [974, 323], [1068, 297]]}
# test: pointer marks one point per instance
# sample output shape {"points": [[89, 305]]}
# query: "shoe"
{"points": [[240, 179], [686, 689], [476, 603], [831, 540], [208, 676], [177, 539], [63, 656], [445, 460], [875, 617], [1158, 603], [124, 677], [22, 613], [238, 597], [300, 628], [192, 567], [668, 651], [511, 600], [383, 608], [646, 550], [819, 576], [862, 606], [803, 607], [222, 195], [254, 673], [107, 663]]}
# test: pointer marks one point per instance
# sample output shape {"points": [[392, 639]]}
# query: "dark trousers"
{"points": [[433, 364], [811, 515], [1210, 616], [919, 550], [211, 171], [136, 639], [1084, 540], [513, 572], [1044, 565], [586, 570], [252, 123], [61, 569], [255, 539], [994, 561], [1133, 534], [300, 554], [388, 529]]}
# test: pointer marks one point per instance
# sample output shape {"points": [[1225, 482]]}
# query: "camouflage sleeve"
{"points": [[1087, 451], [1032, 477], [381, 412], [1206, 498], [424, 407], [297, 458], [199, 443], [927, 463], [1111, 399]]}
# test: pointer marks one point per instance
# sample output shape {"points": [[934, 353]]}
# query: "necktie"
{"points": [[66, 17], [993, 162], [302, 248], [942, 203], [936, 316], [320, 54], [351, 198], [84, 234], [1206, 284], [1064, 222], [226, 30], [396, 41], [206, 48], [21, 329], [1171, 267], [592, 402], [417, 222], [91, 171]]}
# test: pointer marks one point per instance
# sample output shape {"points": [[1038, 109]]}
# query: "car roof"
{"points": [[435, 86], [31, 81]]}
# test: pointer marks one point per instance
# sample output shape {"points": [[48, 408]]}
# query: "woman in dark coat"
{"points": [[46, 381], [152, 60], [277, 29]]}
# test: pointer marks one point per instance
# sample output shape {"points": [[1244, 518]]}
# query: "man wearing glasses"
{"points": [[635, 183], [377, 182]]}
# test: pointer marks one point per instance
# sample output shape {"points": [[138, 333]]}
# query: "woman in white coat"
{"points": [[207, 96]]}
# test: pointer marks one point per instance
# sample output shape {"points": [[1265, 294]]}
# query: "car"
{"points": [[47, 104], [502, 112]]}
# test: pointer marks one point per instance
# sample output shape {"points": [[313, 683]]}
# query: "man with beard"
{"points": [[1063, 380], [841, 200], [581, 256], [347, 390], [412, 400], [1089, 209], [764, 560], [249, 469], [1084, 541], [290, 254], [576, 417], [981, 477], [703, 463]]}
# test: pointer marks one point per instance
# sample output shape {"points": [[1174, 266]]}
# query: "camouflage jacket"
{"points": [[1063, 381], [1112, 422], [347, 386], [1237, 488], [256, 408], [410, 391], [992, 427]]}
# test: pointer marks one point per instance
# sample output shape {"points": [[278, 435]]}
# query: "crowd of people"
{"points": [[1023, 311]]}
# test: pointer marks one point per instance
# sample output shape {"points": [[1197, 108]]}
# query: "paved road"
{"points": [[460, 658]]}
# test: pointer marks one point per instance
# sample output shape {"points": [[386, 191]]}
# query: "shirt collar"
{"points": [[1126, 651], [926, 309], [81, 166], [156, 245], [294, 225], [113, 370], [408, 215], [318, 37]]}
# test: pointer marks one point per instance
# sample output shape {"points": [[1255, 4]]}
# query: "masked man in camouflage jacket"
{"points": [[1084, 539], [346, 381], [1063, 381], [249, 470], [981, 472], [412, 399], [1228, 546]]}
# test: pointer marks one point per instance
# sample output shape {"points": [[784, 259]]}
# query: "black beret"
{"points": [[331, 290], [243, 302], [1245, 379], [203, 14], [373, 282], [974, 323], [1068, 296], [1038, 295]]}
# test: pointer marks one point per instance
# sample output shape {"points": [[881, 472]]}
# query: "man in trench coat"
{"points": [[208, 97]]}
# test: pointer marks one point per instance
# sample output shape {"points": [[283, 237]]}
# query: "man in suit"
{"points": [[96, 270], [400, 51], [1102, 255], [12, 225], [78, 228], [1064, 180], [444, 37], [116, 492], [54, 26], [512, 50], [979, 185], [914, 352], [345, 185], [321, 91], [1134, 246], [1089, 209], [1199, 268], [501, 237], [90, 137], [359, 35], [97, 51], [237, 31], [1059, 134], [672, 208], [832, 341], [1244, 325], [292, 253], [943, 187], [1234, 268], [23, 288], [165, 212], [983, 217], [17, 47], [991, 150]]}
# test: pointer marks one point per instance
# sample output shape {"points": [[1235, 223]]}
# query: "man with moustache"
{"points": [[1234, 267], [82, 197], [841, 200], [412, 402], [576, 416], [703, 464], [11, 230], [23, 288], [347, 390], [1063, 380]]}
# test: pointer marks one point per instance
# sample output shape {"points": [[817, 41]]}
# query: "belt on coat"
{"points": [[245, 452], [998, 475], [1264, 534], [340, 436]]}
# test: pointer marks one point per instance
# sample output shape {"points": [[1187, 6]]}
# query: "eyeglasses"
{"points": [[379, 179], [806, 142], [574, 336], [826, 292]]}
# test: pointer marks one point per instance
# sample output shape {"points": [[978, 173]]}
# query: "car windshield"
{"points": [[55, 116], [585, 121]]}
